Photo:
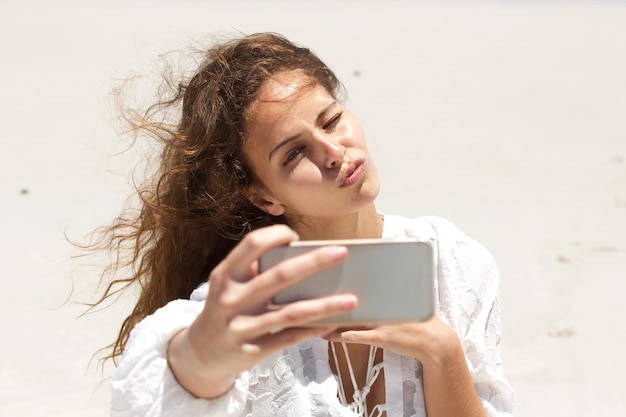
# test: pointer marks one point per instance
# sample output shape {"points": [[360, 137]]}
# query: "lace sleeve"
{"points": [[468, 301], [487, 373], [144, 386]]}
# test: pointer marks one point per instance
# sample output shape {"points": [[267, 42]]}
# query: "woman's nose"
{"points": [[334, 153]]}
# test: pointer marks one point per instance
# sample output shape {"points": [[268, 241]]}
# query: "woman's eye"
{"points": [[292, 155], [332, 123]]}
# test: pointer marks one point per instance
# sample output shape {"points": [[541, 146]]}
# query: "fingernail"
{"points": [[338, 252], [348, 302]]}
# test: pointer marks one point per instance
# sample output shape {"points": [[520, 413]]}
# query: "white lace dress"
{"points": [[298, 381]]}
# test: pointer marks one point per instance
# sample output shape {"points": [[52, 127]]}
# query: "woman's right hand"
{"points": [[238, 326]]}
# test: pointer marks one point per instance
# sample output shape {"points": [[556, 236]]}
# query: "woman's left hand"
{"points": [[448, 385], [424, 341]]}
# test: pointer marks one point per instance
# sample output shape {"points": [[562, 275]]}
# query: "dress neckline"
{"points": [[359, 400]]}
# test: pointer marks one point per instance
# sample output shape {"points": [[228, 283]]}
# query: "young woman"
{"points": [[263, 153]]}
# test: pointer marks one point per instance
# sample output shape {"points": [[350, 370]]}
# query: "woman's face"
{"points": [[308, 152]]}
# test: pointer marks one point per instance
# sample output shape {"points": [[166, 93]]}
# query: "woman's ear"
{"points": [[266, 202]]}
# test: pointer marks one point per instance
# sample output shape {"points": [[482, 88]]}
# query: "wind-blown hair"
{"points": [[196, 208]]}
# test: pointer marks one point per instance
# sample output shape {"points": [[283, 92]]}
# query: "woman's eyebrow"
{"points": [[320, 118], [281, 144], [325, 111]]}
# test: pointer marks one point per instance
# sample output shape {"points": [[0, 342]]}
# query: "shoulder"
{"points": [[458, 255], [446, 234], [433, 227], [451, 238]]}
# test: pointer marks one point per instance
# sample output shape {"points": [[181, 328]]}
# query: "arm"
{"points": [[448, 387], [237, 327], [143, 384], [458, 349], [193, 358], [468, 295]]}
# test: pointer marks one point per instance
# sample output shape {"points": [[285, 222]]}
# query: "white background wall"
{"points": [[506, 117]]}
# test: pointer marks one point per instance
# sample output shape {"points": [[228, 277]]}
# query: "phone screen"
{"points": [[393, 279]]}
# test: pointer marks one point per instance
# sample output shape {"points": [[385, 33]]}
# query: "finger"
{"points": [[252, 297], [292, 270], [274, 342], [291, 315], [239, 261], [372, 337]]}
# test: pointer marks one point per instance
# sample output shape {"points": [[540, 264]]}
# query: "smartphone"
{"points": [[392, 278]]}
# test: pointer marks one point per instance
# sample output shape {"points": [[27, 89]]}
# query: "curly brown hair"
{"points": [[196, 208]]}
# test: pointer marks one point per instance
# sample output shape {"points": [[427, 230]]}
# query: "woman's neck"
{"points": [[366, 223]]}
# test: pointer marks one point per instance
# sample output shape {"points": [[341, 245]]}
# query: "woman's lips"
{"points": [[354, 172]]}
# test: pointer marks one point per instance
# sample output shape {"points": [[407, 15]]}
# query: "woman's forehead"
{"points": [[282, 87], [281, 95], [286, 87], [283, 102]]}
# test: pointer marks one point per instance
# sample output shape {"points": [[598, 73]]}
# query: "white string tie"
{"points": [[359, 403]]}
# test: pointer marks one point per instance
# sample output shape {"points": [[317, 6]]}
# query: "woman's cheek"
{"points": [[306, 175]]}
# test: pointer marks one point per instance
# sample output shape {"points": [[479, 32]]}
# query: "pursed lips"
{"points": [[353, 172]]}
